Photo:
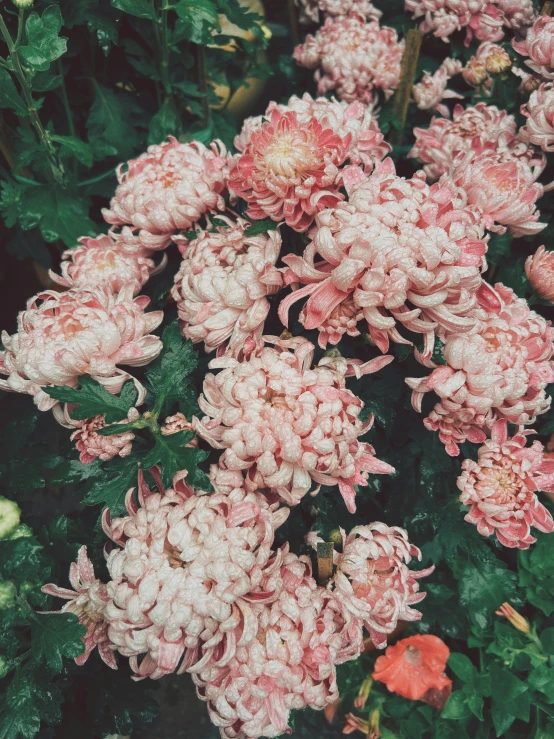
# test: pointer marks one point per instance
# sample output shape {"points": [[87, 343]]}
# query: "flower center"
{"points": [[412, 655], [289, 155]]}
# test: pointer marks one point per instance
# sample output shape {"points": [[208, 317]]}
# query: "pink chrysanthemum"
{"points": [[106, 261], [401, 250], [443, 17], [539, 268], [502, 186], [538, 45], [436, 146], [301, 637], [373, 581], [222, 286], [186, 576], [310, 9], [63, 336], [92, 445], [355, 122], [457, 423], [175, 424], [431, 91], [355, 58], [539, 127], [517, 13], [500, 488], [502, 365], [289, 425], [168, 188], [290, 171], [87, 601]]}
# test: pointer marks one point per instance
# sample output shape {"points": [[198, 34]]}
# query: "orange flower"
{"points": [[414, 667]]}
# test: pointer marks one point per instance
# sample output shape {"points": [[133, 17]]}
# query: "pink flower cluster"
{"points": [[287, 424], [399, 252], [354, 57], [497, 370], [196, 587], [222, 286], [310, 9], [501, 488], [484, 19], [432, 90]]}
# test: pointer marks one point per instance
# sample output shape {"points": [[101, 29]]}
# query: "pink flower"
{"points": [[87, 601], [539, 128], [373, 581], [500, 488], [289, 425], [222, 286], [404, 252], [457, 423], [92, 445], [175, 424], [538, 45], [444, 17], [517, 13], [310, 9], [502, 365], [539, 268], [107, 261], [436, 146], [353, 57], [291, 665], [63, 336], [188, 575], [290, 171], [431, 91], [502, 187], [355, 122], [168, 188]]}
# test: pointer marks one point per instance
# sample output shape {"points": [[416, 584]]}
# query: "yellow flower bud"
{"points": [[515, 618]]}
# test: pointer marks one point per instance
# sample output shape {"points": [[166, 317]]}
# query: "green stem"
{"points": [[20, 19], [65, 100], [57, 170], [202, 82]]}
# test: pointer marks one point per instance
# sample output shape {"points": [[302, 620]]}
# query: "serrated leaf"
{"points": [[60, 214], [18, 724], [9, 97], [54, 636], [261, 227], [93, 399], [483, 588], [110, 489], [81, 151], [172, 456], [199, 18], [239, 15], [112, 123], [138, 8], [166, 122], [43, 43]]}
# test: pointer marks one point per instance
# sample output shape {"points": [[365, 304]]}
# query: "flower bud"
{"points": [[9, 517], [539, 268], [335, 536], [475, 72], [498, 61], [22, 3], [516, 619], [363, 693]]}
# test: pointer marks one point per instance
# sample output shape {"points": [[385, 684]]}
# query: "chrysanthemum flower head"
{"points": [[91, 445], [432, 89], [310, 10], [539, 110], [538, 45], [539, 268]]}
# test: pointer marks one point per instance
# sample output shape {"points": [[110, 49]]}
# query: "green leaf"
{"points": [[112, 123], [172, 456], [456, 707], [93, 399], [17, 723], [111, 488], [9, 97], [509, 699], [46, 81], [60, 214], [199, 18], [484, 587], [536, 574], [166, 122], [138, 8], [43, 44], [238, 14], [462, 666], [81, 151], [54, 636], [261, 227]]}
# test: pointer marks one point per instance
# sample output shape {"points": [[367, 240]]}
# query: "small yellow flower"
{"points": [[515, 618]]}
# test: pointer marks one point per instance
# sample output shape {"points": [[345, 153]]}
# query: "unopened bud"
{"points": [[9, 517], [515, 618], [22, 3], [374, 732], [474, 73], [498, 61], [335, 536], [363, 693]]}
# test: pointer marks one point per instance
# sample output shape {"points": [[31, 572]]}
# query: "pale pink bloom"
{"points": [[87, 601], [487, 26], [457, 423], [404, 252], [500, 488], [291, 665], [92, 445], [188, 575], [529, 81], [475, 74], [373, 582], [539, 268], [310, 9], [517, 13], [495, 58], [168, 189], [289, 171], [431, 91], [176, 423], [443, 17], [289, 425], [355, 122], [106, 261], [538, 45], [62, 336], [222, 286], [539, 128], [355, 58], [502, 365], [437, 145], [502, 187], [342, 320]]}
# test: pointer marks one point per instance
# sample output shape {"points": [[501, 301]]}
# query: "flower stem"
{"points": [[202, 82], [401, 101]]}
